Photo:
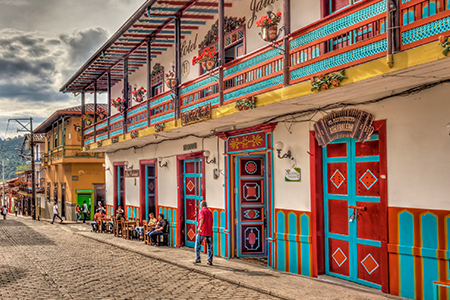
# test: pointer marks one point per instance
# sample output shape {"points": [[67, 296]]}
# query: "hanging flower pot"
{"points": [[209, 65], [273, 32], [87, 120], [77, 127], [171, 83], [269, 26], [207, 59], [121, 108], [101, 114], [138, 95]]}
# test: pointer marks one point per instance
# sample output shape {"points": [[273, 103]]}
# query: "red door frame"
{"points": [[318, 242], [142, 164], [180, 186], [115, 197]]}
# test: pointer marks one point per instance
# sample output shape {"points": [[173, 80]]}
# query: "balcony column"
{"points": [[149, 79], [177, 65], [109, 93], [83, 111], [221, 34], [125, 93], [286, 45], [63, 137], [95, 107]]}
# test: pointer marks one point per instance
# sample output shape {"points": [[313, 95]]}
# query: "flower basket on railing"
{"points": [[99, 144], [115, 140], [159, 127], [101, 113], [269, 26], [326, 81], [171, 81], [134, 134], [87, 147], [77, 127], [138, 95], [207, 59], [87, 119], [246, 104], [118, 103]]}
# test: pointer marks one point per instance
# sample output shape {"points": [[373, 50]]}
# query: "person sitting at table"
{"points": [[161, 228], [119, 217], [97, 221], [151, 221]]}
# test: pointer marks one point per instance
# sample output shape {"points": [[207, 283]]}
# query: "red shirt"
{"points": [[206, 228]]}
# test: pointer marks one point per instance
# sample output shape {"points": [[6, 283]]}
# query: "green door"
{"points": [[88, 198]]}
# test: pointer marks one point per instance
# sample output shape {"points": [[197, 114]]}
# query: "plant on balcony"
{"points": [[99, 144], [134, 134], [101, 113], [269, 26], [87, 147], [159, 127], [230, 24], [87, 119], [157, 68], [115, 140], [77, 127], [444, 42], [138, 94], [171, 81], [326, 81], [207, 59], [118, 103], [247, 103]]}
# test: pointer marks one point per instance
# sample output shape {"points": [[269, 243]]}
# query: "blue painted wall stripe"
{"points": [[430, 265], [306, 255], [293, 253], [281, 249], [406, 236]]}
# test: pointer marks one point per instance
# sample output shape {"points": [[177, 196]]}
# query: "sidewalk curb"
{"points": [[192, 269]]}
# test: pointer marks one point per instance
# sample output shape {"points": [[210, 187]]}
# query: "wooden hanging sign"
{"points": [[132, 173], [199, 114], [353, 123]]}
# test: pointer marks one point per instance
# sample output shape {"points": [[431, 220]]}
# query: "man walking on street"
{"points": [[85, 211], [204, 231], [56, 213]]}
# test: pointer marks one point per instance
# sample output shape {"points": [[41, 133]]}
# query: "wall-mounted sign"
{"points": [[292, 174], [132, 173], [353, 123], [190, 146], [196, 115], [185, 68], [255, 7], [187, 48], [75, 178]]}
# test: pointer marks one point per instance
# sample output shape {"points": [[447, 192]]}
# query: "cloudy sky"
{"points": [[42, 43]]}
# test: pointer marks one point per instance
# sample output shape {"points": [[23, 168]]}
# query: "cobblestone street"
{"points": [[40, 261]]}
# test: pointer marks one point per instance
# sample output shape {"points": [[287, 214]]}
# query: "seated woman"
{"points": [[151, 220], [161, 228], [119, 216]]}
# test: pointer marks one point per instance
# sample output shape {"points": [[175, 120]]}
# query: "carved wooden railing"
{"points": [[137, 117], [201, 91], [162, 108]]}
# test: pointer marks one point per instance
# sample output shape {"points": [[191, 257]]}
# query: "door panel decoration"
{"points": [[193, 195], [352, 208]]}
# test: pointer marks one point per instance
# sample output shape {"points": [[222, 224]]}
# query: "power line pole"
{"points": [[3, 167]]}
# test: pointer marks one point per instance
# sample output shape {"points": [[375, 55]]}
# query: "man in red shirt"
{"points": [[204, 231]]}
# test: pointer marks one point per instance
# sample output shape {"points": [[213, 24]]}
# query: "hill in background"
{"points": [[12, 159]]}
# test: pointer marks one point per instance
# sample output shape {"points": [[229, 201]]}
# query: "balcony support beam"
{"points": [[95, 102], [125, 93], [286, 45], [109, 93], [221, 33], [83, 111], [149, 79], [177, 66]]}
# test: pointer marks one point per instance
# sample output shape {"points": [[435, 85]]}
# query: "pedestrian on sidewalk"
{"points": [[16, 207], [56, 213], [85, 212], [204, 232], [4, 212], [78, 212]]}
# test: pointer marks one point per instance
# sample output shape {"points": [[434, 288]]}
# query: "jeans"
{"points": [[94, 226], [198, 244], [84, 217], [140, 230], [110, 225], [54, 217], [154, 234], [78, 217]]}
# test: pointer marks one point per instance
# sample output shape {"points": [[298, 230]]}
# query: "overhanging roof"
{"points": [[153, 21]]}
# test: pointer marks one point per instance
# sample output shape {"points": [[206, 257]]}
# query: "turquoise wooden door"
{"points": [[251, 206], [121, 187], [352, 210], [150, 191], [193, 195]]}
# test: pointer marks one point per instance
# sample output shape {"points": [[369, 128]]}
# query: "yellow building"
{"points": [[71, 176]]}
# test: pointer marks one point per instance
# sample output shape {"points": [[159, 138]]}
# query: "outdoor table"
{"points": [[126, 228], [100, 226], [147, 229], [117, 224]]}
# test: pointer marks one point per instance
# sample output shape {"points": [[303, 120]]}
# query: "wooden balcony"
{"points": [[350, 37]]}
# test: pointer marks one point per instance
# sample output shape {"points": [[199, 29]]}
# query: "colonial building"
{"points": [[320, 146], [71, 176]]}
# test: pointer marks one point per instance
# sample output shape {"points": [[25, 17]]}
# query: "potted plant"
{"points": [[269, 26], [171, 81], [87, 119], [246, 104], [118, 103], [157, 68], [207, 59], [159, 127], [139, 94], [77, 127], [101, 113]]}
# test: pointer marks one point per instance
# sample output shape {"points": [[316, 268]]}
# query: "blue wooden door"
{"points": [[352, 210], [121, 187], [193, 195], [251, 206], [150, 190]]}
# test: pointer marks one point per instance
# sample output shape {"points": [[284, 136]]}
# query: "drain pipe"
{"points": [[391, 9]]}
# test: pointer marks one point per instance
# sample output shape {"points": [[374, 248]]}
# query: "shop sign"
{"points": [[75, 178], [247, 142], [190, 146], [353, 123], [196, 115], [132, 173], [292, 174]]}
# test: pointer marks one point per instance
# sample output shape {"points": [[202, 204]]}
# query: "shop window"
{"points": [[157, 81], [55, 192], [48, 191]]}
